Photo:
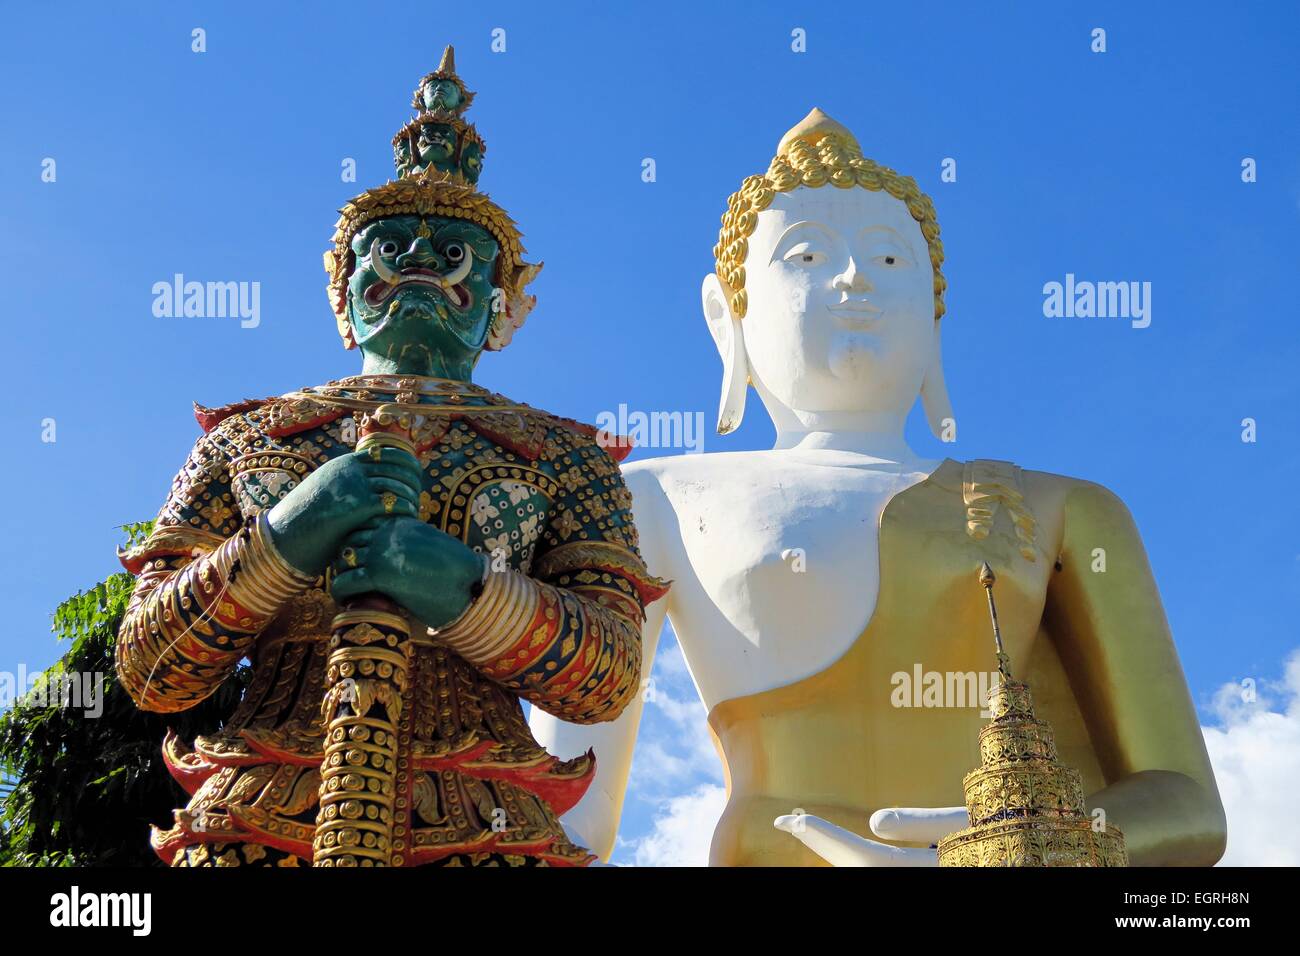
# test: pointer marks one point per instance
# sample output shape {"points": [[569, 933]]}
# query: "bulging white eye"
{"points": [[455, 252], [388, 248], [805, 255]]}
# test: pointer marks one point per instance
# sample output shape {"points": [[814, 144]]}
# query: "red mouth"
{"points": [[458, 296]]}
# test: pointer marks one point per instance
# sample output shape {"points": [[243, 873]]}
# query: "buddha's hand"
{"points": [[310, 524], [425, 570], [839, 847]]}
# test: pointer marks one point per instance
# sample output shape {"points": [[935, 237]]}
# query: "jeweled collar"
{"points": [[407, 392]]}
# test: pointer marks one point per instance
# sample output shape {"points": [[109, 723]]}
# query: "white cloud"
{"points": [[1256, 757], [682, 829], [676, 770], [674, 750]]}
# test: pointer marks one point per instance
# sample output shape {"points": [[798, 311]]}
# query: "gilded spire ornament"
{"points": [[1025, 807]]}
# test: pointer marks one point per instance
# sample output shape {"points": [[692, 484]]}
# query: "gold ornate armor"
{"points": [[560, 628]]}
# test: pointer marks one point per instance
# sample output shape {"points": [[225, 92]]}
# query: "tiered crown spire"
{"points": [[1026, 808], [438, 138]]}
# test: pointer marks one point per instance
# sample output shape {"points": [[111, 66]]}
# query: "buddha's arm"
{"points": [[1115, 644], [206, 586]]}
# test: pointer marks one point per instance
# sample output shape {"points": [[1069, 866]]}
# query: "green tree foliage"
{"points": [[80, 790]]}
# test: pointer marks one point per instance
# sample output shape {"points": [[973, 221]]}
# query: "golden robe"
{"points": [[1079, 612]]}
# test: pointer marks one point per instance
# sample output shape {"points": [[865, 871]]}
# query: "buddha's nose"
{"points": [[420, 254], [852, 279]]}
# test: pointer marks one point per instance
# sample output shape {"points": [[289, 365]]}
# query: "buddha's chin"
{"points": [[854, 357]]}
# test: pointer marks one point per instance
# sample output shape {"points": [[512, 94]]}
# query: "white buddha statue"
{"points": [[808, 577]]}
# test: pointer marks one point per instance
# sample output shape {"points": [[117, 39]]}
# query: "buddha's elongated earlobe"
{"points": [[729, 337], [934, 394]]}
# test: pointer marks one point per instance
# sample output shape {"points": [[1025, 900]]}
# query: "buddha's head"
{"points": [[827, 292]]}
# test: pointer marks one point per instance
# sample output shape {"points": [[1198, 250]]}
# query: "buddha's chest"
{"points": [[790, 568], [779, 570], [780, 549]]}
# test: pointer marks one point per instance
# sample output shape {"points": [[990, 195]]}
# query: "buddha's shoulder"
{"points": [[1044, 494], [686, 481], [722, 468], [1040, 492]]}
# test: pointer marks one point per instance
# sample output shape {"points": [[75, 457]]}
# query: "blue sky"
{"points": [[1123, 165]]}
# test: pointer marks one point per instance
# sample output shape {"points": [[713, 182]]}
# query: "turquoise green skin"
{"points": [[441, 95], [414, 328], [311, 522], [422, 568], [437, 143], [418, 328], [471, 162]]}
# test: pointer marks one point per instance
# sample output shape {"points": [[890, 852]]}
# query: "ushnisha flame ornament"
{"points": [[1025, 807]]}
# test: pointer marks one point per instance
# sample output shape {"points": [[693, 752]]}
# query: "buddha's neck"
{"points": [[874, 434]]}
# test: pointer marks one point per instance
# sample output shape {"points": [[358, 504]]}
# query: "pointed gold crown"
{"points": [[438, 138], [1026, 808], [438, 157], [446, 71], [817, 151]]}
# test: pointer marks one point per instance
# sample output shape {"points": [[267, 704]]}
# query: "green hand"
{"points": [[311, 523], [422, 568]]}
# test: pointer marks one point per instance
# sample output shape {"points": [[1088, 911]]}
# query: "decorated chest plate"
{"points": [[499, 509]]}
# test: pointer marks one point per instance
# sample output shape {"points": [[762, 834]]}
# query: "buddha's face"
{"points": [[841, 301], [422, 283], [441, 94]]}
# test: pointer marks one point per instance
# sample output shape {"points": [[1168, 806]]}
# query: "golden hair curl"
{"points": [[816, 152]]}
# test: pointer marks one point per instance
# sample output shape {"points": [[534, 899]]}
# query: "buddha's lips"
{"points": [[377, 293]]}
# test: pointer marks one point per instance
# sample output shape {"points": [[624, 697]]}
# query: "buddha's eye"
{"points": [[455, 252], [804, 255], [388, 248], [892, 260]]}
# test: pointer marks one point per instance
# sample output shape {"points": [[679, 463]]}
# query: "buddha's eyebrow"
{"points": [[802, 224], [883, 230]]}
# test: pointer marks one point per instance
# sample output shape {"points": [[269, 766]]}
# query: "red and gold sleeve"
{"points": [[567, 635], [572, 647], [207, 583]]}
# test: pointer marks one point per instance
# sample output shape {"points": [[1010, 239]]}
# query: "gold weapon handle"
{"points": [[365, 795]]}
